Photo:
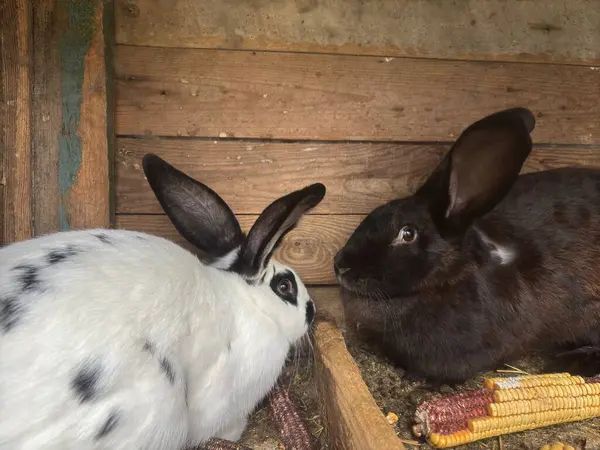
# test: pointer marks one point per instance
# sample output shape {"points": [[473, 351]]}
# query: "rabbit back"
{"points": [[92, 324]]}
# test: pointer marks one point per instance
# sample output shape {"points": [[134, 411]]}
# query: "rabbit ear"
{"points": [[272, 225], [198, 213], [480, 168]]}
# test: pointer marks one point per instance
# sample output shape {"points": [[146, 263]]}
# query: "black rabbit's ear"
{"points": [[198, 213], [480, 168], [279, 218]]}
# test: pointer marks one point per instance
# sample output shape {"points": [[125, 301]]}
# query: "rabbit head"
{"points": [[203, 218], [415, 242]]}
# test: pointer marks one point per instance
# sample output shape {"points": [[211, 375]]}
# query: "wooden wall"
{"points": [[257, 98], [54, 138]]}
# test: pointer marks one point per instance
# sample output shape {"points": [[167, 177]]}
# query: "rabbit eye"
{"points": [[285, 286], [407, 235]]}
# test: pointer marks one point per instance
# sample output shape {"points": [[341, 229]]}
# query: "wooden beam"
{"points": [[46, 116], [56, 135], [215, 93], [83, 159], [328, 305], [250, 175], [354, 421], [565, 31], [15, 99]]}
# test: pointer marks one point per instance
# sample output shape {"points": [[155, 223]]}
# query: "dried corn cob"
{"points": [[449, 414], [509, 405], [293, 430], [524, 380]]}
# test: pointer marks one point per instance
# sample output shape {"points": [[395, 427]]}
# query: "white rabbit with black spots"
{"points": [[114, 339]]}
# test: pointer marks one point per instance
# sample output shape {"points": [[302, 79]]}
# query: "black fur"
{"points": [[59, 255], [85, 382], [165, 365], [102, 237], [149, 347], [290, 296], [11, 311], [447, 306], [12, 307], [310, 312], [111, 423], [28, 277], [167, 368], [584, 361]]}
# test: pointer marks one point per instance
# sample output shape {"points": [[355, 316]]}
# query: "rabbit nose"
{"points": [[339, 264]]}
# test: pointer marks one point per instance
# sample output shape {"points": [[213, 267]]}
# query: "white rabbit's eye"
{"points": [[407, 235], [285, 286]]}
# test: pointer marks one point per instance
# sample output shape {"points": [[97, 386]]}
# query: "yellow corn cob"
{"points": [[489, 383], [466, 436], [527, 403], [541, 405], [572, 390], [533, 420], [535, 381]]}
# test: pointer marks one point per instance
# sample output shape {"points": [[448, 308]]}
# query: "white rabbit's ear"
{"points": [[198, 213], [272, 225]]}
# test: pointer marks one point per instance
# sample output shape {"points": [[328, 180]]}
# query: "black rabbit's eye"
{"points": [[407, 235]]}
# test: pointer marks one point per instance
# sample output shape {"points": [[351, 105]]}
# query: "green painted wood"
{"points": [[74, 43]]}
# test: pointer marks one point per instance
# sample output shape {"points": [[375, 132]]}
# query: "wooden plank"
{"points": [[309, 249], [328, 305], [46, 116], [57, 163], [15, 98], [250, 175], [83, 147], [354, 421], [187, 92], [552, 30]]}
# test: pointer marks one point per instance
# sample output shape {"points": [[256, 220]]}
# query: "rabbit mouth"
{"points": [[349, 285], [357, 287], [349, 281], [344, 283]]}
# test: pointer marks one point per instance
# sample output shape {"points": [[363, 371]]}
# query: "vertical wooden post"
{"points": [[55, 136], [15, 98], [83, 180], [46, 116]]}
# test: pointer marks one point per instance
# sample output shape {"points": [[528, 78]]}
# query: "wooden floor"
{"points": [[257, 98]]}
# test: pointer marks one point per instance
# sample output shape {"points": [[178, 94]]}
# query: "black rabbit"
{"points": [[480, 265]]}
